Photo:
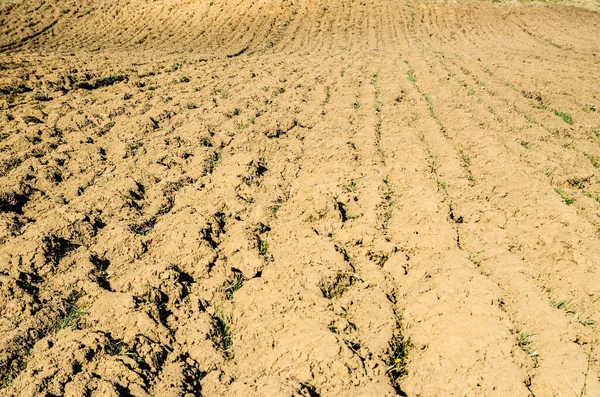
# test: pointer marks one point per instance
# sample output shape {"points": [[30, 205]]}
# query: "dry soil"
{"points": [[299, 198]]}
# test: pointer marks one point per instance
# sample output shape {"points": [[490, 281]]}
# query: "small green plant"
{"points": [[524, 341], [593, 196], [466, 160], [596, 132], [175, 67], [411, 76], [152, 88], [525, 144], [247, 200], [466, 163], [14, 164], [73, 316], [116, 348], [389, 193], [351, 187], [263, 246], [242, 125], [356, 105], [221, 334], [336, 287], [565, 116], [566, 198], [471, 92], [429, 102], [235, 282], [211, 163], [399, 347], [9, 378], [277, 204]]}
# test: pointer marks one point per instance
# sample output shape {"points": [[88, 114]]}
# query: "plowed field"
{"points": [[299, 198]]}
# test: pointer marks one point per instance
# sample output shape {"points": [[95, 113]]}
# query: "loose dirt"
{"points": [[299, 198]]}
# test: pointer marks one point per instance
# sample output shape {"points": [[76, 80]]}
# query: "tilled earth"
{"points": [[307, 198]]}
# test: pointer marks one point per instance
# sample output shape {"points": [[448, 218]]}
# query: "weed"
{"points": [[327, 94], [116, 348], [335, 288], [466, 160], [526, 144], [466, 163], [152, 88], [351, 187], [221, 334], [411, 76], [277, 204], [389, 193], [377, 106], [399, 347], [13, 164], [566, 198], [356, 105], [471, 92], [430, 103], [212, 162], [593, 196], [524, 341], [242, 125], [233, 284], [565, 116], [175, 67], [596, 132], [12, 374], [263, 246], [73, 316], [247, 200]]}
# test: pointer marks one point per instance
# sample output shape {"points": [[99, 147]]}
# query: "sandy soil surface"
{"points": [[299, 198]]}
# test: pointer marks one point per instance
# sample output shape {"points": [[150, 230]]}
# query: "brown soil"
{"points": [[299, 198]]}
